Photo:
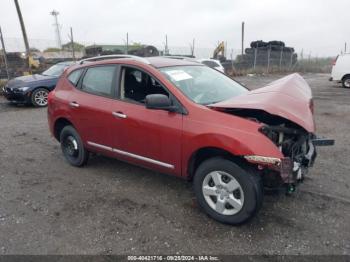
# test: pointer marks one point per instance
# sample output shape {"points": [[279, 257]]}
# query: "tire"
{"points": [[39, 97], [288, 49], [248, 196], [277, 48], [73, 147], [346, 81], [276, 43], [257, 44]]}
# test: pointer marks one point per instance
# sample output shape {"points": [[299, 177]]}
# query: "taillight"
{"points": [[335, 60]]}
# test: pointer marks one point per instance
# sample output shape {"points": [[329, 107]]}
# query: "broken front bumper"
{"points": [[292, 172]]}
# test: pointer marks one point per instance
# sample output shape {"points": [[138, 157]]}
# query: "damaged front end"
{"points": [[284, 108], [298, 149], [295, 143]]}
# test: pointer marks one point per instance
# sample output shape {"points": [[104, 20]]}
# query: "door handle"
{"points": [[119, 114], [73, 104]]}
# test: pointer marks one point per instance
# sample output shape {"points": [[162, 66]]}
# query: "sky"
{"points": [[318, 27]]}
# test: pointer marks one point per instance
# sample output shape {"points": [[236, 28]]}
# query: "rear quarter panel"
{"points": [[58, 102]]}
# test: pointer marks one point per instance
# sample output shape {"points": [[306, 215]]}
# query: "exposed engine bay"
{"points": [[294, 142]]}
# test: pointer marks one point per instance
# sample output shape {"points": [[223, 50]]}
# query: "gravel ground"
{"points": [[110, 207]]}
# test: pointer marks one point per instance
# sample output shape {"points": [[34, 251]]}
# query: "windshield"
{"points": [[55, 70], [202, 84]]}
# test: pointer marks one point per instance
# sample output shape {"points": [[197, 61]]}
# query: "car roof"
{"points": [[156, 61]]}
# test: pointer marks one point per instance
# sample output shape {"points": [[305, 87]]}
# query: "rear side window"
{"points": [[74, 76], [98, 80]]}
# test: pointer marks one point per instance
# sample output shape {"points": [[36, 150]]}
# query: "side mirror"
{"points": [[160, 102]]}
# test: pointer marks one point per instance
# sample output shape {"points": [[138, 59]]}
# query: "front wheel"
{"points": [[39, 97], [227, 192], [346, 82], [72, 147]]}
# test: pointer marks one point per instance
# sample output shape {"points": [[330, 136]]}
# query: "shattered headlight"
{"points": [[263, 159]]}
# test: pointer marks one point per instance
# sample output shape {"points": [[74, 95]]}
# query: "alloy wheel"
{"points": [[40, 98], [223, 193]]}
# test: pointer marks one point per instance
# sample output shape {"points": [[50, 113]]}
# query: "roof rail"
{"points": [[186, 58], [105, 57], [178, 57]]}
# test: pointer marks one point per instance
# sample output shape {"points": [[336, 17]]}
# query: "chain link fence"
{"points": [[256, 59], [44, 54]]}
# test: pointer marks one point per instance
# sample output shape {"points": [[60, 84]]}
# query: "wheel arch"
{"points": [[60, 123], [345, 76], [43, 87], [208, 152]]}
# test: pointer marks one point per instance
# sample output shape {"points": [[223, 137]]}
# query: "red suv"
{"points": [[185, 119]]}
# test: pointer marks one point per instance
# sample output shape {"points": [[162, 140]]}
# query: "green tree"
{"points": [[77, 46], [52, 49]]}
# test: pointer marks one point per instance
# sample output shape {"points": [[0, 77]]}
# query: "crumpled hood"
{"points": [[29, 80], [289, 97]]}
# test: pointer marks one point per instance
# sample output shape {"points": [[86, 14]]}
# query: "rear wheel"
{"points": [[72, 147], [227, 192], [346, 82], [39, 97]]}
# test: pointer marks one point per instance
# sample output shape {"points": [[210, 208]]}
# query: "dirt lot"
{"points": [[47, 206]]}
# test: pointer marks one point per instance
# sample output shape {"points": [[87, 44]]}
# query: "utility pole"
{"points": [[4, 54], [166, 49], [127, 43], [192, 48], [242, 38], [54, 13], [72, 43], [345, 48], [231, 55], [24, 33]]}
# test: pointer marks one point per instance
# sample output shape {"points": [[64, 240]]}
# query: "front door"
{"points": [[151, 138]]}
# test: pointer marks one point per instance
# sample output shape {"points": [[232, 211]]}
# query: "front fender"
{"points": [[237, 144]]}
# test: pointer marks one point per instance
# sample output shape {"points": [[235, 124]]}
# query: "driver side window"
{"points": [[135, 85]]}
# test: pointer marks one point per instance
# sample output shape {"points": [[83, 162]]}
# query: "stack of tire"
{"points": [[144, 51], [260, 52]]}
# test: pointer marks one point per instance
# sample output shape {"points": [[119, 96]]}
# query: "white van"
{"points": [[341, 70]]}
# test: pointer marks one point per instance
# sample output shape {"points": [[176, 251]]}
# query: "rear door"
{"points": [[152, 138], [91, 105]]}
